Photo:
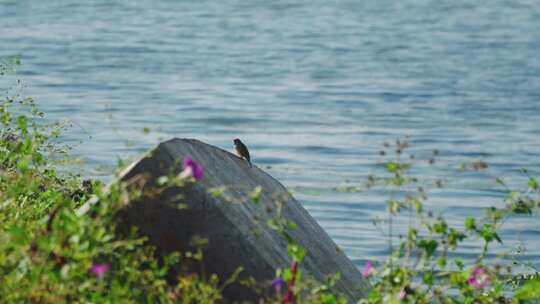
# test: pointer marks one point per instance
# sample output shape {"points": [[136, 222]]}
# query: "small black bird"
{"points": [[242, 150]]}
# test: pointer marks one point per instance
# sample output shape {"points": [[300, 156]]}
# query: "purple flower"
{"points": [[191, 168], [479, 278], [368, 269], [278, 284], [99, 269]]}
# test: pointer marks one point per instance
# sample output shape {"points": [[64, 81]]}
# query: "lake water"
{"points": [[314, 88]]}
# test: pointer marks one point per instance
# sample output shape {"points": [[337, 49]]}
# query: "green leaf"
{"points": [[489, 233], [15, 60], [291, 225], [375, 296], [287, 274], [394, 206], [392, 167], [418, 206], [23, 164], [18, 235], [440, 227], [470, 223], [255, 195], [427, 278], [521, 207], [533, 183], [217, 191], [429, 246], [412, 234], [441, 262], [454, 237], [22, 123], [459, 264], [329, 299], [296, 252], [273, 224], [529, 291], [162, 180]]}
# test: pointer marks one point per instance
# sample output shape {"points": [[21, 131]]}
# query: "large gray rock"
{"points": [[235, 227]]}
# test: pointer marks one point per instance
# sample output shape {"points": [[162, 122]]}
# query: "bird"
{"points": [[242, 150]]}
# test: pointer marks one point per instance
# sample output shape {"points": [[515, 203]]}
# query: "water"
{"points": [[312, 87]]}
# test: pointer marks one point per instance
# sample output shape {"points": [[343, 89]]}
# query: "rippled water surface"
{"points": [[313, 87]]}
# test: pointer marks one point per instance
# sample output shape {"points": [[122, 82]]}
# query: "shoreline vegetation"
{"points": [[51, 253]]}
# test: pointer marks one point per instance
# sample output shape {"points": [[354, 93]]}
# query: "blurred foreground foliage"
{"points": [[49, 253]]}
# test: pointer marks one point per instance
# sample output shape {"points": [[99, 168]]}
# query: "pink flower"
{"points": [[99, 269], [191, 168], [402, 294], [368, 269], [479, 278]]}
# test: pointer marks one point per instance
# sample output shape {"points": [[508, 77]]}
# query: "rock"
{"points": [[236, 227]]}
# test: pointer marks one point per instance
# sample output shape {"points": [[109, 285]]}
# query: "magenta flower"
{"points": [[479, 278], [191, 168], [368, 269], [278, 284], [99, 269]]}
